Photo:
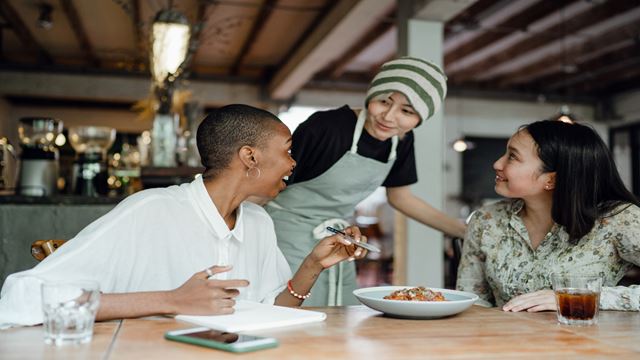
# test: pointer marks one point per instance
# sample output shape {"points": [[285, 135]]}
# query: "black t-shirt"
{"points": [[326, 136]]}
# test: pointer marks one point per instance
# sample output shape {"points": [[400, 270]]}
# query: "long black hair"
{"points": [[588, 186]]}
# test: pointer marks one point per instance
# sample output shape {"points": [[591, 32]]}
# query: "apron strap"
{"points": [[334, 297], [362, 117], [339, 285], [394, 146]]}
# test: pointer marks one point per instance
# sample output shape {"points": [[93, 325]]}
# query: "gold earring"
{"points": [[257, 176]]}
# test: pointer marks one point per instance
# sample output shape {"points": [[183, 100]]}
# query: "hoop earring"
{"points": [[251, 176]]}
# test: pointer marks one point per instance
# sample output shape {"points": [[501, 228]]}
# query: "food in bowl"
{"points": [[416, 294], [456, 302]]}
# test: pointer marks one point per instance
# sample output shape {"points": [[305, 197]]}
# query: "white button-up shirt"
{"points": [[156, 240]]}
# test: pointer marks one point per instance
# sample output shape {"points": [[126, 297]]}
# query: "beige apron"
{"points": [[303, 211]]}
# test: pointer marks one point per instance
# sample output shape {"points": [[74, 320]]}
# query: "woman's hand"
{"points": [[328, 252], [201, 296], [541, 300], [334, 249]]}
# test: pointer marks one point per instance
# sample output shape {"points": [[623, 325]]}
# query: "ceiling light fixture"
{"points": [[462, 145], [468, 24], [170, 35], [44, 18], [565, 115], [568, 68]]}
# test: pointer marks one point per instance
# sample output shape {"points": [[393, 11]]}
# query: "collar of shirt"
{"points": [[212, 215], [515, 221]]}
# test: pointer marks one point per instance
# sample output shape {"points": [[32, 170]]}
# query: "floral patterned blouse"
{"points": [[498, 262]]}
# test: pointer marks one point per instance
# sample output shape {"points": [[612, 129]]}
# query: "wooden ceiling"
{"points": [[573, 48]]}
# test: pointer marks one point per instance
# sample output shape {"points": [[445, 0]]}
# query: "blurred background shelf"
{"points": [[165, 176]]}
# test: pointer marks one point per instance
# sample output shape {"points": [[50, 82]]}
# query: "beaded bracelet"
{"points": [[301, 297]]}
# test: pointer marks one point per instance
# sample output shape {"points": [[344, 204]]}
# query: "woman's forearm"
{"points": [[302, 282], [412, 206], [133, 305], [621, 298]]}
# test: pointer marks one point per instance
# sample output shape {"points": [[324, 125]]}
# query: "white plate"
{"points": [[457, 301]]}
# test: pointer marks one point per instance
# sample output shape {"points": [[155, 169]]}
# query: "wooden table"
{"points": [[357, 332]]}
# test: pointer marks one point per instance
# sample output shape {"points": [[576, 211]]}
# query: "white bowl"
{"points": [[457, 301]]}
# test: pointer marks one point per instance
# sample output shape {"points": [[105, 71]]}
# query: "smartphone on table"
{"points": [[221, 340]]}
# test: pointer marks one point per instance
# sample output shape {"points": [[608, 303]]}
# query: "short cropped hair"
{"points": [[225, 130], [588, 186]]}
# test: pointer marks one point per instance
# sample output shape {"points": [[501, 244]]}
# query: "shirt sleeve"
{"points": [[302, 142], [88, 256], [282, 275], [317, 144], [626, 241], [275, 269], [471, 270]]}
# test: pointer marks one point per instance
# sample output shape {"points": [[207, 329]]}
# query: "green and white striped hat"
{"points": [[422, 82]]}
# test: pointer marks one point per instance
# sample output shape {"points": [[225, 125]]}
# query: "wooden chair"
{"points": [[40, 249], [456, 243]]}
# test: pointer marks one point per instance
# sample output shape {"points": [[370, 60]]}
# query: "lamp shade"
{"points": [[169, 45], [565, 115]]}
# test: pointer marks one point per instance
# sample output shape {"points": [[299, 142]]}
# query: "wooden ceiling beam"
{"points": [[21, 30], [627, 83], [118, 88], [488, 18], [608, 81], [369, 37], [513, 23], [2, 57], [358, 79], [196, 33], [607, 84], [373, 70], [554, 64], [340, 28], [610, 61], [320, 16], [468, 17], [616, 78], [76, 25], [588, 18], [348, 80], [438, 10], [138, 35], [265, 12]]}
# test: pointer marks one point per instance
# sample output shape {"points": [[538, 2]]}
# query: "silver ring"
{"points": [[209, 272]]}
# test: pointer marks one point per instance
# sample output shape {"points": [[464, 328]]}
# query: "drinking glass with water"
{"points": [[69, 311]]}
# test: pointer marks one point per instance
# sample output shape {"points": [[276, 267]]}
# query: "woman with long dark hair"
{"points": [[567, 211]]}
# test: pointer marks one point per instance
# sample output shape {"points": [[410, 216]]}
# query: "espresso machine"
{"points": [[90, 167], [38, 175]]}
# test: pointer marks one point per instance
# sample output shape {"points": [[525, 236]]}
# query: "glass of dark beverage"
{"points": [[577, 298]]}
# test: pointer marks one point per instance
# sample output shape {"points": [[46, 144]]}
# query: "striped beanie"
{"points": [[422, 82]]}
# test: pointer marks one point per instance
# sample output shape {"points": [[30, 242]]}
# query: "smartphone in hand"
{"points": [[221, 340]]}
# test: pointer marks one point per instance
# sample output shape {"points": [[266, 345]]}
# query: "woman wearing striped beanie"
{"points": [[343, 155]]}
